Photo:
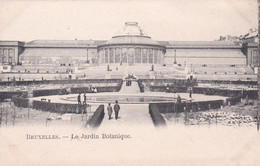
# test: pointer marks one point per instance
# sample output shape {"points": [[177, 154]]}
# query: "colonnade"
{"points": [[131, 55], [7, 56]]}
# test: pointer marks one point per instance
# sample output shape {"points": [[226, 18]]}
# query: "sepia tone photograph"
{"points": [[131, 82]]}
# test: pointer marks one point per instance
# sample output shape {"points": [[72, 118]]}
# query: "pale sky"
{"points": [[100, 19]]}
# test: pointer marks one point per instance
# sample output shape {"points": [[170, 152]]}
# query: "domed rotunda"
{"points": [[131, 45]]}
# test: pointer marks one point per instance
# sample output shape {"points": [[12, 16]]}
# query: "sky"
{"points": [[179, 20]]}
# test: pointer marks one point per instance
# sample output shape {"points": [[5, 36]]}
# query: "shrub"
{"points": [[20, 102]]}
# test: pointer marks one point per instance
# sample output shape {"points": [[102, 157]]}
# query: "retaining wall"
{"points": [[156, 116], [97, 117]]}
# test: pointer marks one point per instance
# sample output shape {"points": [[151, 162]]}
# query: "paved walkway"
{"points": [[133, 89], [129, 115]]}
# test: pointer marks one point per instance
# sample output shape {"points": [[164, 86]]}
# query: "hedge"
{"points": [[194, 106], [49, 92], [234, 100], [10, 94], [68, 81], [97, 117], [99, 89], [252, 94], [56, 107], [20, 101], [157, 118], [176, 89]]}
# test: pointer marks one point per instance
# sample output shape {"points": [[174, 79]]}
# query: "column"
{"points": [[108, 52], [103, 56], [141, 54], [120, 55], [153, 55], [134, 54], [127, 49], [1, 55], [147, 55], [114, 55]]}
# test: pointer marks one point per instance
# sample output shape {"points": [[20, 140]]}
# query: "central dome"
{"points": [[131, 45], [131, 33]]}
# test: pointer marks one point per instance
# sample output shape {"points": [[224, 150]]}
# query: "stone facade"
{"points": [[10, 51]]}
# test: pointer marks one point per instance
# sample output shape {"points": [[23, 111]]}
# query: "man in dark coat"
{"points": [[85, 99], [116, 109], [79, 99]]}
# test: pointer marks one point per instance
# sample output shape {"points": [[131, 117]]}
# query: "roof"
{"points": [[131, 34], [131, 29], [11, 43], [64, 43], [201, 44], [132, 40]]}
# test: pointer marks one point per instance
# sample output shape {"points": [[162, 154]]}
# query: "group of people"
{"points": [[116, 107], [110, 110], [80, 99], [93, 89]]}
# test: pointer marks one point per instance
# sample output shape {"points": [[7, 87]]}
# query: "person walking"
{"points": [[116, 109], [109, 111], [79, 103], [79, 99], [85, 99]]}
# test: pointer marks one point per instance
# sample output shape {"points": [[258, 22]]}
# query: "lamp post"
{"points": [[175, 62]]}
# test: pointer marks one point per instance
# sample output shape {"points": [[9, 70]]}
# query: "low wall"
{"points": [[97, 117], [156, 116]]}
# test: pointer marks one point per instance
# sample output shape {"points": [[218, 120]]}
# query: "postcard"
{"points": [[129, 83]]}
